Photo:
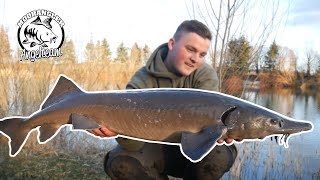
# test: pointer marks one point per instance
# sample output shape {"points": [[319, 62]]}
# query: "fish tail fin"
{"points": [[13, 129]]}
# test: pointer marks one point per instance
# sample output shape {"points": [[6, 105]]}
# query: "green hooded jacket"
{"points": [[155, 75]]}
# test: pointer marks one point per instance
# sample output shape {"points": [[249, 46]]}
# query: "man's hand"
{"points": [[105, 132], [102, 132], [227, 140]]}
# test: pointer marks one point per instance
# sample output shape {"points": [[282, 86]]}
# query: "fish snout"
{"points": [[308, 127], [291, 127]]}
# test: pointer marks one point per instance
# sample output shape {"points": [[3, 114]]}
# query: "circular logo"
{"points": [[40, 31]]}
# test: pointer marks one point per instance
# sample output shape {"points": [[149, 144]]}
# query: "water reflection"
{"points": [[268, 160]]}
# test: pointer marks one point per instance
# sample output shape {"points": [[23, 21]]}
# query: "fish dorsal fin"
{"points": [[37, 21], [47, 23], [226, 113], [63, 87]]}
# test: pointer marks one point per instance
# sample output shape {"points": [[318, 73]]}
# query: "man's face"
{"points": [[187, 54]]}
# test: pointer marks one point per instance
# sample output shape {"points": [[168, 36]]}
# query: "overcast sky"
{"points": [[150, 22], [303, 27]]}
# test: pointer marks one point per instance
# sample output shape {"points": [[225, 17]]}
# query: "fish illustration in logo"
{"points": [[39, 33]]}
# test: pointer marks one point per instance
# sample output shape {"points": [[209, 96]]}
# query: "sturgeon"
{"points": [[193, 119]]}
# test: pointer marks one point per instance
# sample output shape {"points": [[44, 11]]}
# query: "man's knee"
{"points": [[125, 167], [122, 164], [223, 156], [215, 164]]}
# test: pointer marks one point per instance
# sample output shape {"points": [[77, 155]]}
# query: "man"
{"points": [[176, 64]]}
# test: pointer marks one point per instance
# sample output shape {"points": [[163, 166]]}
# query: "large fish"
{"points": [[193, 119], [39, 33]]}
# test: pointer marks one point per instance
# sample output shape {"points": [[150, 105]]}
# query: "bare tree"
{"points": [[311, 58], [229, 19], [287, 60]]}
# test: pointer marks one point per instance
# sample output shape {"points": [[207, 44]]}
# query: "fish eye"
{"points": [[274, 121], [47, 34]]}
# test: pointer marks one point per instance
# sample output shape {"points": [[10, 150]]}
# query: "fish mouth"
{"points": [[289, 128], [283, 139], [53, 39]]}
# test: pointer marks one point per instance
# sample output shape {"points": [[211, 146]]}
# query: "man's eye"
{"points": [[190, 50]]}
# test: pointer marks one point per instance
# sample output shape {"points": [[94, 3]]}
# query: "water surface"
{"points": [[268, 160]]}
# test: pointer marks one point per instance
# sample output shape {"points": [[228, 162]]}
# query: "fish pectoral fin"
{"points": [[197, 145], [83, 122]]}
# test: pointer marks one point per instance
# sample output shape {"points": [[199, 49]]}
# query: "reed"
{"points": [[25, 86]]}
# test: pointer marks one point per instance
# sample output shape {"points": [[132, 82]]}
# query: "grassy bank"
{"points": [[60, 165]]}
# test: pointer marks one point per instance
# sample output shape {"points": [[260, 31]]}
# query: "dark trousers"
{"points": [[155, 161]]}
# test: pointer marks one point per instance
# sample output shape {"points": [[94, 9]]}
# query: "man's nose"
{"points": [[195, 58]]}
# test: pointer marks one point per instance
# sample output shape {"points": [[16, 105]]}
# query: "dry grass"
{"points": [[51, 166], [277, 80], [233, 85], [25, 85], [69, 155]]}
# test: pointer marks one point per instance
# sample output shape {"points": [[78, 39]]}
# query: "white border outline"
{"points": [[138, 139]]}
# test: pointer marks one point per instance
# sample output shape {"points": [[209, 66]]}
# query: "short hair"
{"points": [[193, 26]]}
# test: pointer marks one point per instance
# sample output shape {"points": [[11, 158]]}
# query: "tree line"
{"points": [[94, 52], [240, 59], [100, 52], [275, 65]]}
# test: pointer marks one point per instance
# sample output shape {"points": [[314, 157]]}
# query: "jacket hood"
{"points": [[155, 64]]}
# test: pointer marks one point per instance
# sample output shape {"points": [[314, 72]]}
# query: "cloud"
{"points": [[305, 13], [303, 6], [306, 19]]}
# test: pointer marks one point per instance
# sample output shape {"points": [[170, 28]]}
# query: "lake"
{"points": [[268, 160]]}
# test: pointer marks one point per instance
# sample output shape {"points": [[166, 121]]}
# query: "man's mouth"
{"points": [[190, 65]]}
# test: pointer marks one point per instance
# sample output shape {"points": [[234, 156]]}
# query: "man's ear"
{"points": [[170, 43]]}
